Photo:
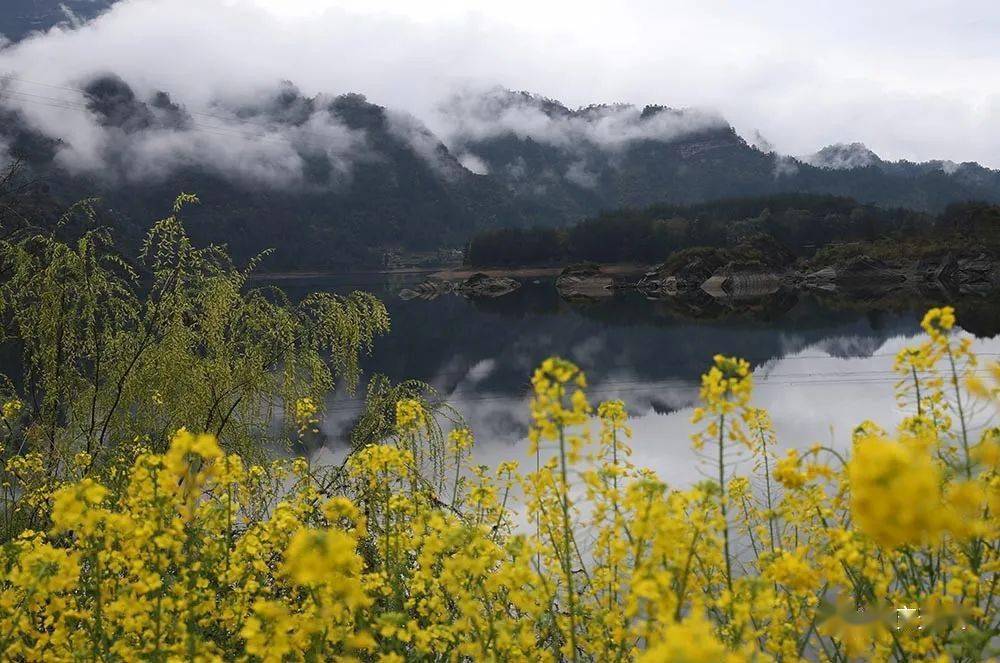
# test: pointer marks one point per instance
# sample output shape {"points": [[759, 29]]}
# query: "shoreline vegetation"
{"points": [[743, 249], [804, 224]]}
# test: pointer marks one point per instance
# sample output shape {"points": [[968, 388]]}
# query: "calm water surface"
{"points": [[819, 369]]}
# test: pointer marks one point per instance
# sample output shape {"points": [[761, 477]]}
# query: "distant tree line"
{"points": [[802, 222]]}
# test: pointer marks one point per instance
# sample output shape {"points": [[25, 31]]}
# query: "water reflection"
{"points": [[819, 369]]}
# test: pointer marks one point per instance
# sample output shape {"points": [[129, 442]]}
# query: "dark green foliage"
{"points": [[977, 219], [513, 246], [801, 222]]}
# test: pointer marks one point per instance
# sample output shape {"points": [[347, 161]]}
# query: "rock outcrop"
{"points": [[685, 271], [974, 272], [743, 285], [858, 273], [428, 289], [977, 272], [478, 285], [484, 285], [584, 281], [751, 269]]}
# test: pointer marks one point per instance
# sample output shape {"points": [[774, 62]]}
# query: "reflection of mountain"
{"points": [[480, 354], [849, 346], [441, 340], [978, 313]]}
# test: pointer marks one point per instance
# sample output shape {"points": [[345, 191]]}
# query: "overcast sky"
{"points": [[910, 78]]}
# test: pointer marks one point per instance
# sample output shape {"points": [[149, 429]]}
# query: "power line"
{"points": [[758, 360], [871, 378]]}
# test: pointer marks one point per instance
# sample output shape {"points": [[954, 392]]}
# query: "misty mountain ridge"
{"points": [[333, 180]]}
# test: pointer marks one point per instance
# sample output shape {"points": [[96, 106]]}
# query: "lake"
{"points": [[819, 368]]}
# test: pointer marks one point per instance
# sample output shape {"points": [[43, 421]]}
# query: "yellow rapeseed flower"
{"points": [[895, 491]]}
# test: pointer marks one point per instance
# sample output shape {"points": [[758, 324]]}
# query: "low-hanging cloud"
{"points": [[476, 115], [842, 156], [428, 146], [473, 163], [104, 128], [270, 134], [804, 78], [578, 174]]}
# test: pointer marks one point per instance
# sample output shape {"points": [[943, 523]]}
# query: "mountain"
{"points": [[561, 180], [331, 181], [19, 18], [325, 181], [561, 165]]}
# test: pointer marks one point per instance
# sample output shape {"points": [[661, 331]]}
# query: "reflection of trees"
{"points": [[530, 299], [650, 341], [445, 337], [698, 306], [978, 313], [979, 316]]}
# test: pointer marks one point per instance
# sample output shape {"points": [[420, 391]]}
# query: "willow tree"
{"points": [[115, 355]]}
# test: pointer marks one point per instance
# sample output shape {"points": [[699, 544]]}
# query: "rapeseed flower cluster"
{"points": [[12, 409], [192, 554], [306, 415]]}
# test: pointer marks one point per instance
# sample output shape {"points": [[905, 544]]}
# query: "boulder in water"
{"points": [[586, 280], [484, 285], [431, 288]]}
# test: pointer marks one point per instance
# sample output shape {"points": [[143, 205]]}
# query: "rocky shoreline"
{"points": [[748, 272], [478, 285], [970, 273]]}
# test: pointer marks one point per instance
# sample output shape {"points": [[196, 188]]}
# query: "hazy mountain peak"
{"points": [[843, 156]]}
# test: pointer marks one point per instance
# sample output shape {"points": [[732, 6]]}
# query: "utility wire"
{"points": [[468, 396]]}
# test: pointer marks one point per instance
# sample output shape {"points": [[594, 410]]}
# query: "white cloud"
{"points": [[473, 163], [478, 114], [151, 143], [411, 130], [578, 174], [911, 79], [273, 156], [841, 156], [71, 16]]}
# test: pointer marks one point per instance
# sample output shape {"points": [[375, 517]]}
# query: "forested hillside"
{"points": [[800, 222]]}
